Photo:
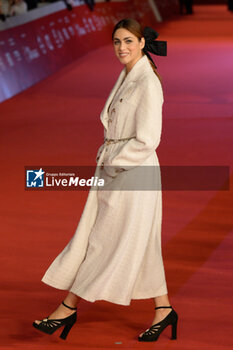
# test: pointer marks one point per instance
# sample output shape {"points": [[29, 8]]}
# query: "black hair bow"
{"points": [[154, 46]]}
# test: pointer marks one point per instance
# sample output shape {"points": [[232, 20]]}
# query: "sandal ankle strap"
{"points": [[71, 308], [163, 307]]}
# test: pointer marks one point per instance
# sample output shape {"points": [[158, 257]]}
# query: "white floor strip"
{"points": [[155, 10]]}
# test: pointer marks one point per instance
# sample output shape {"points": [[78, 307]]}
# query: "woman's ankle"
{"points": [[72, 300]]}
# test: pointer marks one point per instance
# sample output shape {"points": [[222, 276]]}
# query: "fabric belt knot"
{"points": [[108, 141]]}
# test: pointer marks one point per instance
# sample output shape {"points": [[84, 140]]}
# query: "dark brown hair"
{"points": [[135, 28]]}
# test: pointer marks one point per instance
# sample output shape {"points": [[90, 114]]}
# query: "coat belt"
{"points": [[108, 141]]}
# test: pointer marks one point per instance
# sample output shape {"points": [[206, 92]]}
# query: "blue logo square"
{"points": [[35, 178]]}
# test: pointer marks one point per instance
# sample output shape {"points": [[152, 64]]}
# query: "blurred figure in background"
{"points": [[2, 16], [230, 5], [31, 4], [17, 7], [90, 4], [69, 4], [4, 9], [188, 4]]}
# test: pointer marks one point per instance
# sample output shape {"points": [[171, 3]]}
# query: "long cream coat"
{"points": [[115, 253]]}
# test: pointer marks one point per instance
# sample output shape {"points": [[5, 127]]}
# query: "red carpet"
{"points": [[57, 122]]}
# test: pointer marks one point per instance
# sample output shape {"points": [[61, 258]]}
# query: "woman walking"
{"points": [[115, 253]]}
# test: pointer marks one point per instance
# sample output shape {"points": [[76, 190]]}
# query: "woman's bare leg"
{"points": [[71, 300], [160, 314]]}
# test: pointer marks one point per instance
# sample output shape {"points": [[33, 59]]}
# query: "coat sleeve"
{"points": [[148, 126]]}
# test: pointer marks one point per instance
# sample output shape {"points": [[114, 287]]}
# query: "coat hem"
{"points": [[117, 301], [111, 300]]}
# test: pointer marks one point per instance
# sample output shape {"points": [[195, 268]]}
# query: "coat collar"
{"points": [[138, 69], [123, 81]]}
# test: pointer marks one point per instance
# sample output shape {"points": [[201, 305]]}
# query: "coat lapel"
{"points": [[104, 113], [123, 88]]}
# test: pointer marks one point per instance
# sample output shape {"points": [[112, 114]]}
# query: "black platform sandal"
{"points": [[153, 333], [49, 326]]}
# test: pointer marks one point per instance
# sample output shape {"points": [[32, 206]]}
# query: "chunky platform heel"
{"points": [[153, 333], [49, 326]]}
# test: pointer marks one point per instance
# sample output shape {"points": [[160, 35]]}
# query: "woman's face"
{"points": [[127, 47]]}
